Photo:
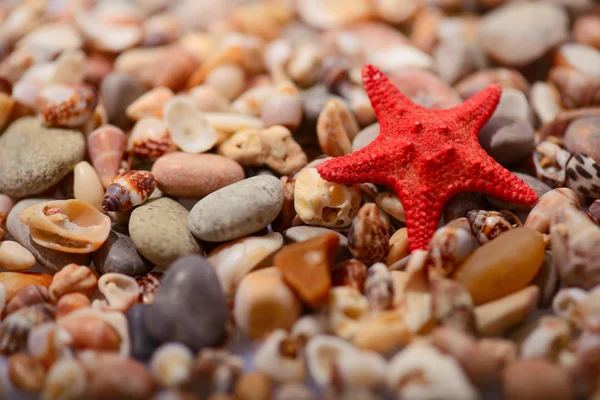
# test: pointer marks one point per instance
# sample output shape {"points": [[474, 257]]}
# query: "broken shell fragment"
{"points": [[67, 105], [70, 226], [16, 326], [119, 290], [106, 146], [336, 128], [190, 131], [128, 190], [280, 357], [150, 139], [150, 104]]}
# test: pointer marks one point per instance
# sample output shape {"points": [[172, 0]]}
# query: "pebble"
{"points": [[540, 188], [119, 254], [425, 88], [142, 344], [195, 175], [87, 186], [253, 386], [50, 155], [503, 265], [159, 230], [365, 136], [117, 91], [537, 379], [507, 140], [518, 33], [500, 315], [113, 377], [265, 292], [189, 306], [14, 257], [304, 232], [52, 260], [237, 210], [583, 136]]}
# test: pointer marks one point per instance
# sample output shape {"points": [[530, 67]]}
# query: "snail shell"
{"points": [[106, 146], [129, 189], [487, 225], [71, 226]]}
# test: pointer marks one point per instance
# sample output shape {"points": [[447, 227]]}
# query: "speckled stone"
{"points": [[195, 175], [159, 230], [189, 306], [118, 254], [34, 158], [237, 210], [52, 260], [540, 188], [142, 344]]}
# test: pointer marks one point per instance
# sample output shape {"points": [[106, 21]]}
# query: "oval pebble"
{"points": [[189, 306], [142, 344], [118, 254], [507, 140], [52, 260], [14, 257], [237, 210], [117, 91], [34, 158], [159, 230], [195, 175]]}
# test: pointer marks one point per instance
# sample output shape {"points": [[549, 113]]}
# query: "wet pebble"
{"points": [[117, 91], [50, 155], [52, 260], [119, 254], [219, 217], [189, 306], [195, 175], [540, 188], [159, 230]]}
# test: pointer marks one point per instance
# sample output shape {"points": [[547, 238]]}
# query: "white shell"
{"points": [[190, 131], [171, 364]]}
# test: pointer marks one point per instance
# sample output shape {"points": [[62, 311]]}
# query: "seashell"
{"points": [[368, 238], [87, 186], [566, 304], [14, 257], [583, 177], [190, 131], [284, 107], [128, 190], [73, 278], [13, 282], [228, 79], [279, 356], [47, 342], [18, 61], [121, 291], [233, 260], [98, 330], [71, 226], [232, 122], [550, 336], [576, 89], [594, 211], [28, 296], [575, 241], [67, 105], [336, 128], [305, 64], [16, 326], [323, 203], [110, 37], [150, 104], [543, 210], [449, 247], [391, 204], [71, 302], [346, 307], [217, 369], [545, 101], [106, 146], [52, 39], [171, 364], [379, 287], [66, 380], [148, 285], [26, 372], [150, 139], [550, 162], [332, 14], [251, 102], [352, 273], [208, 99], [486, 225]]}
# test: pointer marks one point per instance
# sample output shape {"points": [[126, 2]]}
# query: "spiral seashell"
{"points": [[550, 161], [150, 139], [129, 189], [67, 105], [71, 226], [16, 327], [487, 225], [106, 146], [449, 247]]}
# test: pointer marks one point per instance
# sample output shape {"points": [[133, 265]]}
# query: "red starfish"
{"points": [[426, 156]]}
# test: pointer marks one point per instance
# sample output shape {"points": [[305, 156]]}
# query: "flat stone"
{"points": [[237, 210], [159, 230], [119, 254], [33, 158], [52, 260], [189, 306]]}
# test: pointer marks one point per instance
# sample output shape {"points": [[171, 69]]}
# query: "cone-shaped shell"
{"points": [[106, 146], [129, 189], [71, 226]]}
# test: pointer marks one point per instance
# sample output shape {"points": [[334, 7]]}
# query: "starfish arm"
{"points": [[422, 216], [343, 170], [388, 102], [479, 108]]}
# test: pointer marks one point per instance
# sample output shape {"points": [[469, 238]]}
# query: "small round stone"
{"points": [[189, 306], [237, 210], [195, 175], [507, 140], [117, 91], [119, 254], [52, 260], [159, 230], [34, 158]]}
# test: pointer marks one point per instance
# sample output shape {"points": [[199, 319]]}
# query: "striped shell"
{"points": [[150, 139], [450, 246], [129, 189], [487, 225], [368, 239], [550, 162], [67, 105], [106, 146], [16, 326]]}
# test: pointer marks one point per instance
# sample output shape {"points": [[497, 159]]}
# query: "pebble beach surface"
{"points": [[166, 231]]}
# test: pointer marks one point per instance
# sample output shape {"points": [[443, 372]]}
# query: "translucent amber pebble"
{"points": [[502, 266]]}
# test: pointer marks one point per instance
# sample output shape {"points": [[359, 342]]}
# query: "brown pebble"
{"points": [[26, 372], [253, 386], [115, 378], [537, 380], [352, 273]]}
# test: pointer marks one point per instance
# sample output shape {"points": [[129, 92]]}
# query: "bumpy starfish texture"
{"points": [[426, 156]]}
